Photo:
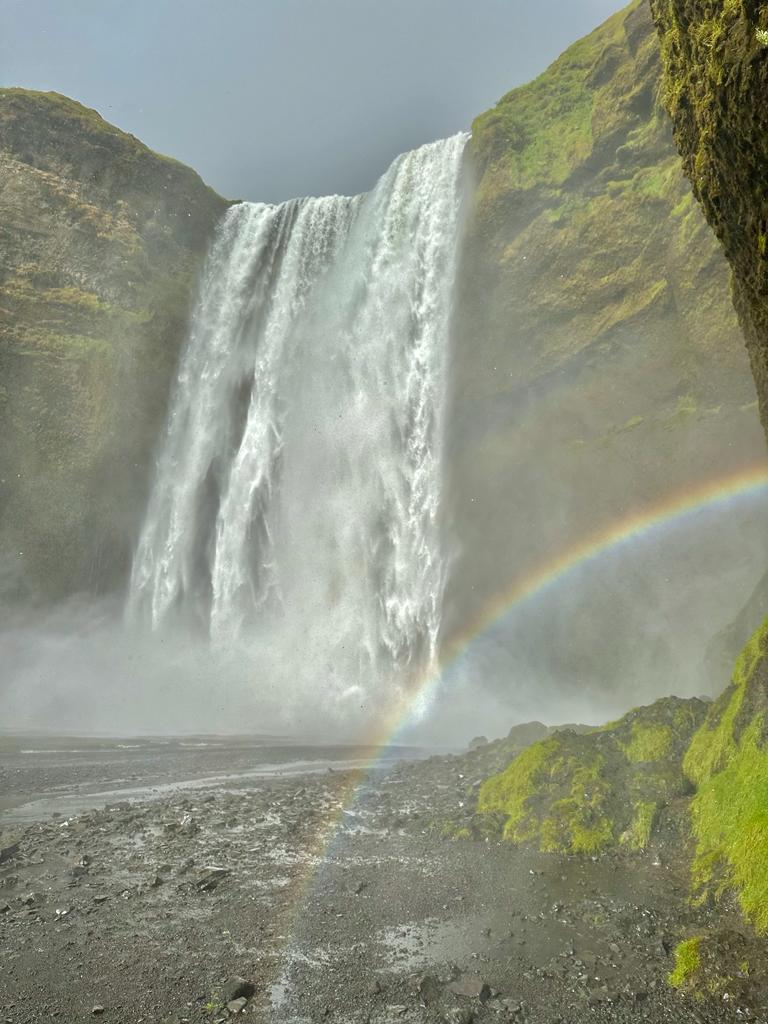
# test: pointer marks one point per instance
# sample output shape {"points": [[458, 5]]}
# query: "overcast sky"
{"points": [[270, 99]]}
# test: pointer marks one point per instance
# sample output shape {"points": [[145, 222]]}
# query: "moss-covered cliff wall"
{"points": [[715, 55], [599, 362], [100, 245]]}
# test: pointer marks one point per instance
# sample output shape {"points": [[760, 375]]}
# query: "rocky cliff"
{"points": [[715, 58], [599, 363], [100, 245]]}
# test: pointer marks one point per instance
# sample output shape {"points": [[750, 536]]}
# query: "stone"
{"points": [[8, 851], [97, 1010], [237, 1005], [236, 987], [459, 1015], [428, 988], [470, 986], [211, 878]]}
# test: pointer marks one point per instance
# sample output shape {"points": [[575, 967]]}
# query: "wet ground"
{"points": [[235, 882]]}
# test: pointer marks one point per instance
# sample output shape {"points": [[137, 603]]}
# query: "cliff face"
{"points": [[101, 241], [584, 224], [715, 58], [599, 362]]}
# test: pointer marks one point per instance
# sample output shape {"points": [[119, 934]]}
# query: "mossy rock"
{"points": [[723, 965], [601, 790], [727, 761], [715, 58]]}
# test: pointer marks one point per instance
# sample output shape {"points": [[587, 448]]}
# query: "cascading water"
{"points": [[295, 507]]}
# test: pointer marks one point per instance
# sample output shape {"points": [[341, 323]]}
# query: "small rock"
{"points": [[97, 1010], [236, 987], [9, 851], [211, 877], [429, 989], [470, 986], [237, 1005], [459, 1015]]}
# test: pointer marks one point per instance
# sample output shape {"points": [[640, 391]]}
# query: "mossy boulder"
{"points": [[727, 762], [101, 241], [715, 56], [725, 965], [593, 792]]}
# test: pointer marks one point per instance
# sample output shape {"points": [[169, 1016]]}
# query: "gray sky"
{"points": [[270, 99]]}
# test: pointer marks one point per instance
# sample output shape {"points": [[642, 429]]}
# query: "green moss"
{"points": [[575, 823], [638, 834], [60, 106], [714, 746], [510, 791], [687, 962], [649, 742], [716, 89], [538, 134], [728, 761], [748, 660], [730, 822], [601, 789]]}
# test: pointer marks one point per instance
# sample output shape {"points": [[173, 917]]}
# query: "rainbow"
{"points": [[670, 511], [747, 482]]}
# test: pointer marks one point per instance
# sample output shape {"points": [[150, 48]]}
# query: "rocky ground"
{"points": [[285, 898]]}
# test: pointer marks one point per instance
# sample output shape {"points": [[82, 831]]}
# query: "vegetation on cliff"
{"points": [[728, 763], [716, 89], [599, 362], [579, 181], [101, 244], [603, 789]]}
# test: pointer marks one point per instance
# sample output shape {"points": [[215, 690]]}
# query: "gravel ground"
{"points": [[283, 898]]}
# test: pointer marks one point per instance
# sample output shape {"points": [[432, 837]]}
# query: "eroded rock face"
{"points": [[101, 242], [715, 57]]}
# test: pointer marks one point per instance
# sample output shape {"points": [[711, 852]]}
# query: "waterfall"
{"points": [[295, 507]]}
